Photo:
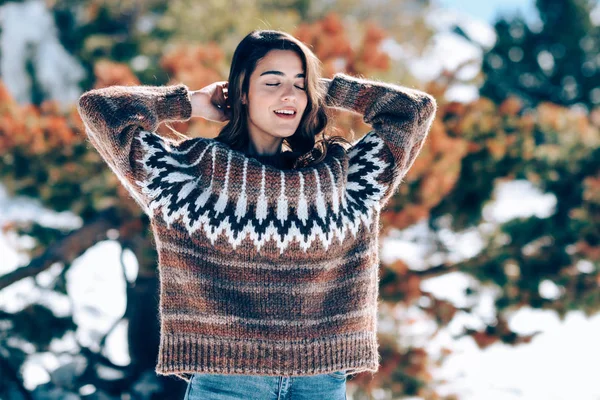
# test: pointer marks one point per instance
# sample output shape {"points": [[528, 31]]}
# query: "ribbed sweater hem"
{"points": [[184, 354]]}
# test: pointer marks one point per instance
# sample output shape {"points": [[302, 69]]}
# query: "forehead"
{"points": [[286, 61]]}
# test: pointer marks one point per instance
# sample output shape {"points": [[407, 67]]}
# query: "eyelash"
{"points": [[276, 84]]}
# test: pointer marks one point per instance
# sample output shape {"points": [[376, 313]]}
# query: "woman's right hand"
{"points": [[211, 102]]}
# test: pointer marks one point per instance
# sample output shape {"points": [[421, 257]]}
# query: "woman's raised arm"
{"points": [[109, 111], [400, 116], [113, 117]]}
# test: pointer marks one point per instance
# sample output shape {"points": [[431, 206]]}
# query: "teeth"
{"points": [[290, 112]]}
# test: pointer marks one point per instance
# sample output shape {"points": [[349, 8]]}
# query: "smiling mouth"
{"points": [[285, 116]]}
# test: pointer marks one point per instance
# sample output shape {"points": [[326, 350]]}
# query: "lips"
{"points": [[286, 116]]}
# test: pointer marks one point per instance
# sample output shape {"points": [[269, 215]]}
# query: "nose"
{"points": [[288, 93]]}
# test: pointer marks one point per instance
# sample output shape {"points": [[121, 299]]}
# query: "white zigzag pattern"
{"points": [[353, 209]]}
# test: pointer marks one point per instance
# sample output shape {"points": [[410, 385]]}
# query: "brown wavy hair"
{"points": [[304, 147]]}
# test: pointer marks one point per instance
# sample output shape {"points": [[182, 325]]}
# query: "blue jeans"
{"points": [[331, 386]]}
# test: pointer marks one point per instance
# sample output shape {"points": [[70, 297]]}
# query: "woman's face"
{"points": [[277, 83]]}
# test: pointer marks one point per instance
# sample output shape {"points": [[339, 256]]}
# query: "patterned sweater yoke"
{"points": [[263, 271]]}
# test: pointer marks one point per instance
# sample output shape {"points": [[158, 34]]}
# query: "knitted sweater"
{"points": [[263, 271]]}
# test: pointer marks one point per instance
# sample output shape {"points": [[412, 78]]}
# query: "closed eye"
{"points": [[277, 84]]}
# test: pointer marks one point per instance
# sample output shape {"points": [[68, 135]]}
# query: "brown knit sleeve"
{"points": [[115, 115], [400, 117]]}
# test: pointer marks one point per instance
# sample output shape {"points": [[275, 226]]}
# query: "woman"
{"points": [[268, 259]]}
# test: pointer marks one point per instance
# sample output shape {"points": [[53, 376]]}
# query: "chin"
{"points": [[284, 134]]}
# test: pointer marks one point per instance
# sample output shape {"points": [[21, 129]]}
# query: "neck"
{"points": [[265, 149]]}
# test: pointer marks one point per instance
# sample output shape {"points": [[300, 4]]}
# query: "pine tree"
{"points": [[556, 61]]}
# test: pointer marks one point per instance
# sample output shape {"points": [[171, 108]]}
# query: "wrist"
{"points": [[199, 101]]}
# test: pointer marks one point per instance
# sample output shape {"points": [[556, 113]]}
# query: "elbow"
{"points": [[83, 106], [85, 103], [418, 108], [91, 105], [93, 98], [427, 108], [90, 110]]}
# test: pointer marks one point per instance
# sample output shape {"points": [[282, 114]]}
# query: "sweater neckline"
{"points": [[283, 160], [334, 152]]}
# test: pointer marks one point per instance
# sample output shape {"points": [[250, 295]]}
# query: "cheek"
{"points": [[304, 103], [258, 105], [258, 109]]}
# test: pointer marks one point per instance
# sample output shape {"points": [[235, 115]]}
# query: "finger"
{"points": [[222, 98], [218, 98]]}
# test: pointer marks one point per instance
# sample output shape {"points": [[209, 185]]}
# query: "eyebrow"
{"points": [[280, 74]]}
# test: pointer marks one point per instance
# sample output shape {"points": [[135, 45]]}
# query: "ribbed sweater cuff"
{"points": [[175, 103], [343, 93]]}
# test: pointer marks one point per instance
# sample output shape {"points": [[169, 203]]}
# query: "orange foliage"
{"points": [[409, 215], [560, 118], [5, 97], [417, 364], [459, 129], [591, 191], [588, 251], [511, 106], [399, 267], [39, 130], [454, 108], [484, 339], [328, 40], [595, 116], [109, 73], [496, 147], [443, 310], [371, 56], [195, 65], [437, 169], [411, 287]]}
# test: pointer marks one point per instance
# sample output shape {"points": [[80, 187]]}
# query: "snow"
{"points": [[550, 290], [95, 284], [519, 198], [512, 199], [459, 282], [97, 290], [555, 365], [29, 33], [595, 15], [447, 50], [443, 20]]}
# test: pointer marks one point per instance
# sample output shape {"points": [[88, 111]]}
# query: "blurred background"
{"points": [[490, 250]]}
